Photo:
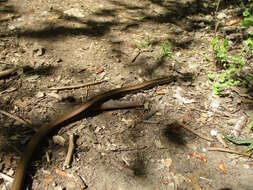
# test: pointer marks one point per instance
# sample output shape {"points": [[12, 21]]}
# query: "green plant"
{"points": [[247, 17], [248, 80], [144, 44], [246, 13], [232, 66], [166, 49], [224, 80], [250, 43], [211, 76], [250, 126], [237, 61], [220, 50], [142, 18], [207, 57]]}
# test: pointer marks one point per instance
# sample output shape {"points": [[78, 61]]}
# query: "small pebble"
{"points": [[213, 133]]}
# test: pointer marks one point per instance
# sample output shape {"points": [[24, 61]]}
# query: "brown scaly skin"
{"points": [[83, 108]]}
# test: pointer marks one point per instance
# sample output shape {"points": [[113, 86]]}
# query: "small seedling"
{"points": [[223, 80], [238, 61], [230, 75], [141, 18], [211, 76], [207, 57], [166, 49], [247, 17], [249, 43], [220, 50]]}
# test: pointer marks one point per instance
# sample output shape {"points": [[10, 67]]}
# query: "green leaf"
{"points": [[250, 126], [246, 22], [207, 57], [225, 43], [249, 43], [246, 13], [246, 142], [211, 76]]}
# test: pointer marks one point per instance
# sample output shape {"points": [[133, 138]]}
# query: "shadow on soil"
{"points": [[175, 12], [15, 134]]}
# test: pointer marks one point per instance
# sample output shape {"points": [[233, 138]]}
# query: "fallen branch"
{"points": [[70, 152], [7, 72], [228, 151], [76, 86]]}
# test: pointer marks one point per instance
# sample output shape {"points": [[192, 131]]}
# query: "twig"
{"points": [[80, 181], [6, 177], [47, 157], [218, 5], [150, 122], [216, 24], [70, 152], [76, 86], [15, 117], [11, 89], [129, 149], [220, 138], [227, 150], [7, 72], [195, 133], [139, 52]]}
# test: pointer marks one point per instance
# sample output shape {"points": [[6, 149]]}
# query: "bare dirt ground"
{"points": [[70, 42]]}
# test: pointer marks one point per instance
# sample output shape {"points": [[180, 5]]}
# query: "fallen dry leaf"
{"points": [[160, 92], [234, 21], [48, 179], [99, 69], [222, 167], [197, 156], [61, 173], [168, 162]]}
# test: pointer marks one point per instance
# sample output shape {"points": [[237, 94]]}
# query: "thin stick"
{"points": [[227, 150], [6, 177], [7, 72], [218, 5], [80, 181], [76, 86], [195, 133], [70, 152], [15, 117], [129, 149], [216, 25], [139, 52]]}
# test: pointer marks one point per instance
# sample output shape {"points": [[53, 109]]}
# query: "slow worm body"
{"points": [[86, 107]]}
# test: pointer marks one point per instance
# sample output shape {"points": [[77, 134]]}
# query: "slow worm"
{"points": [[85, 108]]}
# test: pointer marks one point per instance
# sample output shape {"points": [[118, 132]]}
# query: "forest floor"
{"points": [[71, 42]]}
